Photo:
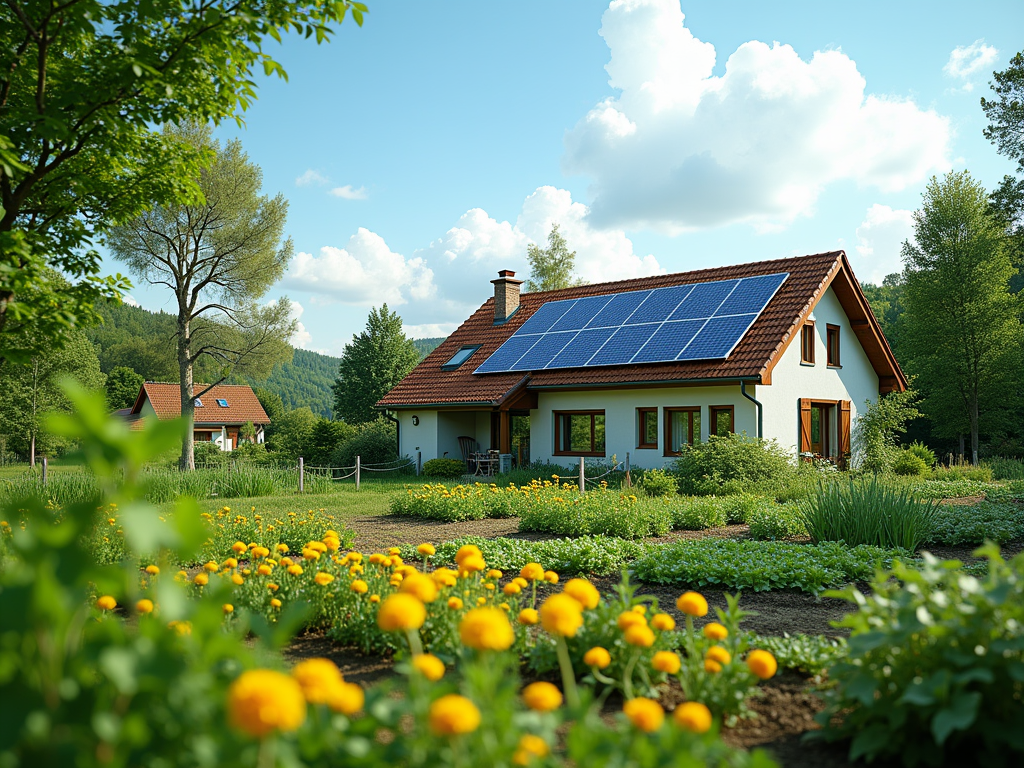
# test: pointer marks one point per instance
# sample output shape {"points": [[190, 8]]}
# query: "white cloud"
{"points": [[348, 192], [365, 272], [967, 60], [128, 299], [880, 238], [680, 148], [428, 330], [311, 176], [300, 337]]}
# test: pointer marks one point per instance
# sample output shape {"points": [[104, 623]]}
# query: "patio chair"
{"points": [[469, 447]]}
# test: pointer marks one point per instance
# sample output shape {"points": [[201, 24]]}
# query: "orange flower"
{"points": [[762, 664], [144, 606], [401, 612], [318, 679], [429, 666], [532, 572], [106, 603], [666, 661], [453, 715], [486, 629], [528, 617], [359, 586], [597, 657], [715, 631], [639, 635], [693, 716], [645, 714], [629, 619], [455, 603], [542, 697], [719, 654], [692, 604], [347, 698], [323, 578], [262, 701], [561, 614], [583, 591], [663, 622], [421, 586]]}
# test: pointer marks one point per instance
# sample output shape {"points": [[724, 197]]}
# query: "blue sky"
{"points": [[422, 152]]}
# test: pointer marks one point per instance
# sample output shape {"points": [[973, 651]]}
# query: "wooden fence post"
{"points": [[629, 480], [302, 484], [583, 477], [419, 462], [358, 467]]}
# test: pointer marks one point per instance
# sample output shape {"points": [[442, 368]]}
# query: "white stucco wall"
{"points": [[438, 432]]}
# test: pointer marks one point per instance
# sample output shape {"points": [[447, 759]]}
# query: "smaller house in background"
{"points": [[219, 416]]}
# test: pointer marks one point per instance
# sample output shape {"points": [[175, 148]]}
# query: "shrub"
{"points": [[1006, 469], [935, 672], [773, 523], [657, 482], [926, 454], [374, 444], [874, 434], [759, 565], [959, 524], [444, 468], [868, 512], [567, 512], [968, 472], [698, 513], [727, 464], [950, 489], [207, 453], [908, 463]]}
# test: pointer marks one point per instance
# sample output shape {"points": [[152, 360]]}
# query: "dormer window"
{"points": [[460, 357], [197, 403], [222, 402]]}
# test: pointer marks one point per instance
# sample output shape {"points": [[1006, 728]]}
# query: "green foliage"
{"points": [[657, 482], [123, 385], [552, 268], [935, 671], [698, 513], [808, 654], [868, 512], [1006, 113], [325, 439], [957, 524], [372, 363], [425, 346], [758, 565], [909, 464], [293, 433], [776, 522], [732, 464], [923, 451], [968, 472], [878, 428], [886, 302], [305, 380], [1006, 469], [567, 512], [444, 468], [62, 489], [374, 443], [957, 487]]}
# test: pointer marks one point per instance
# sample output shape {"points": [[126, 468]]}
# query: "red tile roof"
{"points": [[752, 359], [243, 406]]}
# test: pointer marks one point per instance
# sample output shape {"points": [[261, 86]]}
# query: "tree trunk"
{"points": [[961, 447], [974, 432], [35, 415], [32, 450], [187, 461]]}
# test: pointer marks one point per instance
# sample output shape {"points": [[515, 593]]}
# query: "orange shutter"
{"points": [[844, 430], [805, 425]]}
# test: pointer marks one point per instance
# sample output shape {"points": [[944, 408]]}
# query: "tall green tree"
{"points": [[374, 362], [123, 386], [962, 332], [553, 267], [81, 86], [218, 257]]}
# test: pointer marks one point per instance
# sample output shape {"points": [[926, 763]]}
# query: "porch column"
{"points": [[504, 432]]}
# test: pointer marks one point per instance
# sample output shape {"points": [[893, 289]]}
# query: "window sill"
{"points": [[647, 447], [589, 454], [837, 367], [806, 364]]}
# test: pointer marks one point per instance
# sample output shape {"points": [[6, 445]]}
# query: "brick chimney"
{"points": [[506, 295]]}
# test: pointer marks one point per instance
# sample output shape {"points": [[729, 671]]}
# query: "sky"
{"points": [[423, 152]]}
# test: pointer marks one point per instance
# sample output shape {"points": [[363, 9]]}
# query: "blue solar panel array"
{"points": [[703, 321]]}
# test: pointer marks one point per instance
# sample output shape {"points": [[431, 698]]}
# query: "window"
{"points": [[682, 427], [832, 345], [222, 402], [723, 420], [198, 403], [459, 358], [647, 427], [807, 344], [579, 433]]}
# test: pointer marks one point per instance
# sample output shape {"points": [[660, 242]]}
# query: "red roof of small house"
{"points": [[242, 404], [752, 360]]}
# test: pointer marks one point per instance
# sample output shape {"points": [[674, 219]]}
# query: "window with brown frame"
{"points": [[647, 427], [832, 345], [579, 433], [723, 420], [807, 344], [682, 427]]}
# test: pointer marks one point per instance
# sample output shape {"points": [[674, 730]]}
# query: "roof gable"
{"points": [[242, 404], [752, 359]]}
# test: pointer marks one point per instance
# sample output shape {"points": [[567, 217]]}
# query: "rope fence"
{"points": [[335, 474]]}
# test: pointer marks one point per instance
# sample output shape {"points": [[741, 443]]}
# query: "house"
{"points": [[219, 413], [786, 349]]}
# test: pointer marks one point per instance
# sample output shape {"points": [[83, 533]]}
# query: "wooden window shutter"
{"points": [[844, 429], [805, 425]]}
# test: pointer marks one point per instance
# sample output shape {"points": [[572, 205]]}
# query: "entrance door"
{"points": [[820, 443]]}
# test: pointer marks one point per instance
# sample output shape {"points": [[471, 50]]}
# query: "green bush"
{"points": [[1011, 491], [959, 524], [868, 512], [979, 474], [206, 453], [759, 565], [728, 464], [597, 512], [776, 522], [951, 489], [909, 464], [374, 444], [657, 482], [698, 513], [935, 673], [922, 451], [444, 468], [1006, 469]]}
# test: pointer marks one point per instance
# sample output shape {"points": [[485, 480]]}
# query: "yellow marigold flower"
{"points": [[583, 591], [489, 587], [394, 551], [295, 570], [692, 604], [347, 698], [629, 619], [528, 617], [663, 622], [693, 717], [712, 666], [561, 614], [201, 579], [641, 609], [239, 547], [282, 548], [181, 576], [401, 611], [332, 543], [310, 554], [210, 566], [429, 666], [480, 601], [228, 608], [455, 603], [444, 577], [317, 546], [355, 570], [666, 661], [427, 550], [237, 579], [550, 577], [453, 715], [106, 603], [376, 558], [180, 627], [374, 598], [144, 606], [645, 714], [715, 631], [421, 586], [532, 572], [231, 562], [505, 607], [359, 586], [719, 654], [762, 664], [260, 552], [467, 550], [318, 678], [530, 746], [494, 573], [272, 586], [264, 570], [405, 570], [355, 557], [520, 582], [597, 657], [639, 635], [472, 564], [275, 603], [542, 697], [246, 572], [511, 589], [152, 570], [387, 562], [323, 578], [262, 701], [486, 629]]}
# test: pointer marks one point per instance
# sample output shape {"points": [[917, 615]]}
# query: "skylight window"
{"points": [[222, 402], [460, 357], [198, 403]]}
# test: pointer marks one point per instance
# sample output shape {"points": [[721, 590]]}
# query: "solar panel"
{"points": [[701, 321]]}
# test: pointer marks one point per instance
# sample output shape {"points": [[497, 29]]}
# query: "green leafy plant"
{"points": [[729, 464], [975, 524], [777, 522], [807, 654], [935, 673], [444, 468], [1006, 469], [657, 482], [963, 472], [878, 426], [868, 512], [923, 451], [909, 464]]}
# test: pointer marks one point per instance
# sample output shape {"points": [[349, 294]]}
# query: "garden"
{"points": [[794, 618]]}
